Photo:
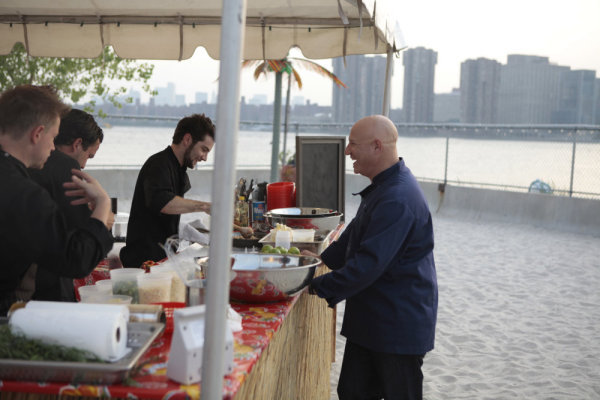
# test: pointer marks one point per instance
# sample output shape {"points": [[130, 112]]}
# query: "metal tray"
{"points": [[322, 240], [140, 336]]}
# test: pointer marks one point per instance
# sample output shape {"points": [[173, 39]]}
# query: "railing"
{"points": [[559, 159]]}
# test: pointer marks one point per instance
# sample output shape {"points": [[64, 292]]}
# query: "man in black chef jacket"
{"points": [[158, 198], [32, 227], [79, 138]]}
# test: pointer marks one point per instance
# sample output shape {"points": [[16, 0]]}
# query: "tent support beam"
{"points": [[228, 116], [177, 20], [387, 88]]}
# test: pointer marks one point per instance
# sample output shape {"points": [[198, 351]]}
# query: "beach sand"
{"points": [[519, 314]]}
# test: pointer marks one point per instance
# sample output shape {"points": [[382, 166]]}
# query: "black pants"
{"points": [[369, 375]]}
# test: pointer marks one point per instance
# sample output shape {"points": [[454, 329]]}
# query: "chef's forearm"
{"points": [[180, 205]]}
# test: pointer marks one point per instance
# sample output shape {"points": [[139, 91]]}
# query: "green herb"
{"points": [[128, 288], [18, 347]]}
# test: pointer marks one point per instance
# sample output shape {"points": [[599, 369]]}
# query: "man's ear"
{"points": [[187, 139], [77, 143], [35, 134], [377, 145]]}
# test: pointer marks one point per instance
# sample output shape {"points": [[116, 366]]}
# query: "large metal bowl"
{"points": [[320, 219], [263, 278]]}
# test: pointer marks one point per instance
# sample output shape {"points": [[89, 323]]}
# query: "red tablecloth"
{"points": [[149, 381]]}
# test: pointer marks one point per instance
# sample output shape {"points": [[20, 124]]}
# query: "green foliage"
{"points": [[18, 347], [76, 77]]}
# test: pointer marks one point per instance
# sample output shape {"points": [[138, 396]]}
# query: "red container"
{"points": [[281, 195]]}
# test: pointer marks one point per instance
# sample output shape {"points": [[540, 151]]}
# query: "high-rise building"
{"points": [[419, 74], [479, 86], [363, 95], [165, 95], [258, 99], [576, 98], [201, 97], [529, 90], [447, 106]]}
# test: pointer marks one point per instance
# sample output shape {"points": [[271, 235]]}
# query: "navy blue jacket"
{"points": [[383, 267]]}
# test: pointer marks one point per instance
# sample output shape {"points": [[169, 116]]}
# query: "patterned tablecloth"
{"points": [[149, 380]]}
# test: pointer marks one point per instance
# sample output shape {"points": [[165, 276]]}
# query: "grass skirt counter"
{"points": [[284, 351]]}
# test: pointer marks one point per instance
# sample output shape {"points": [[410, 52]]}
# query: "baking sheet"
{"points": [[140, 336], [322, 240]]}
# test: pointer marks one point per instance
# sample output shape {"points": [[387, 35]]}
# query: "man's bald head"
{"points": [[372, 145]]}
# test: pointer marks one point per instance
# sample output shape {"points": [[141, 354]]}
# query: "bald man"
{"points": [[383, 266]]}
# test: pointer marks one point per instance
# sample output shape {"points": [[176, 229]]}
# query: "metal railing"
{"points": [[558, 159]]}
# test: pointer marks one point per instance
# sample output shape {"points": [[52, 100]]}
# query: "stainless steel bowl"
{"points": [[263, 278], [320, 219]]}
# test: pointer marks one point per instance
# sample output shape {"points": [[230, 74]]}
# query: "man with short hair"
{"points": [[32, 227], [383, 267], [78, 140], [162, 182]]}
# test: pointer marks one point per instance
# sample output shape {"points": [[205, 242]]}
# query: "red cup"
{"points": [[281, 195]]}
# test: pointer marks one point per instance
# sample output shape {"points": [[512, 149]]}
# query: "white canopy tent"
{"points": [[171, 30], [230, 30]]}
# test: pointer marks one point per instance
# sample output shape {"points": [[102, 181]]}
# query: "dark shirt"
{"points": [[56, 171], [159, 181], [33, 230], [383, 267]]}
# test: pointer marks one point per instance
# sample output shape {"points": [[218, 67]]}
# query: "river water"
{"points": [[495, 162]]}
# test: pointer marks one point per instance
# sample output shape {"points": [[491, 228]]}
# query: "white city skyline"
{"points": [[565, 32]]}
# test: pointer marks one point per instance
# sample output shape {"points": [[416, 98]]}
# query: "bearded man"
{"points": [[158, 198]]}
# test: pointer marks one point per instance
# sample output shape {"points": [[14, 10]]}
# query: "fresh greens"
{"points": [[18, 347]]}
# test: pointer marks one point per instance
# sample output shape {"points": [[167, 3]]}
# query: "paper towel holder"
{"points": [[185, 357]]}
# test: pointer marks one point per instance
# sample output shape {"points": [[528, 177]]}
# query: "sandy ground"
{"points": [[519, 314]]}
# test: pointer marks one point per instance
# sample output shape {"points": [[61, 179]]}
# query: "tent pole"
{"points": [[387, 88], [226, 137], [276, 128]]}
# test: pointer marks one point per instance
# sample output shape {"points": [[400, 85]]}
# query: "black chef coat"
{"points": [[33, 230], [159, 181], [57, 170]]}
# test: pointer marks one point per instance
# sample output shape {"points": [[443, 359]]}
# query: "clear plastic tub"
{"points": [[110, 299], [177, 285], [303, 235], [88, 292], [105, 286], [125, 282], [154, 287]]}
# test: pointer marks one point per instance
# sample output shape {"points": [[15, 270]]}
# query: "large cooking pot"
{"points": [[320, 219]]}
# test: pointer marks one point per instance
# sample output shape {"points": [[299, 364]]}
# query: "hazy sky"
{"points": [[566, 31]]}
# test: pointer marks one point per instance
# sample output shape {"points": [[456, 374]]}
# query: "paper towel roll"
{"points": [[98, 328]]}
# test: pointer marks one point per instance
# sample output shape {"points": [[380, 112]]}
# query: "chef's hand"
{"points": [[89, 191], [111, 220], [310, 254], [246, 231]]}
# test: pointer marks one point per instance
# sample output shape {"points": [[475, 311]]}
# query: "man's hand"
{"points": [[85, 187], [309, 253], [246, 231], [88, 190], [111, 221]]}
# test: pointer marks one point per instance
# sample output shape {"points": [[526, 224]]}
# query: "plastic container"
{"points": [[154, 287], [125, 282], [283, 239], [88, 292], [303, 235], [281, 195], [115, 299], [177, 285], [105, 286]]}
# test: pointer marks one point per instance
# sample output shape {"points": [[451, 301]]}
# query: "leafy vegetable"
{"points": [[18, 347]]}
